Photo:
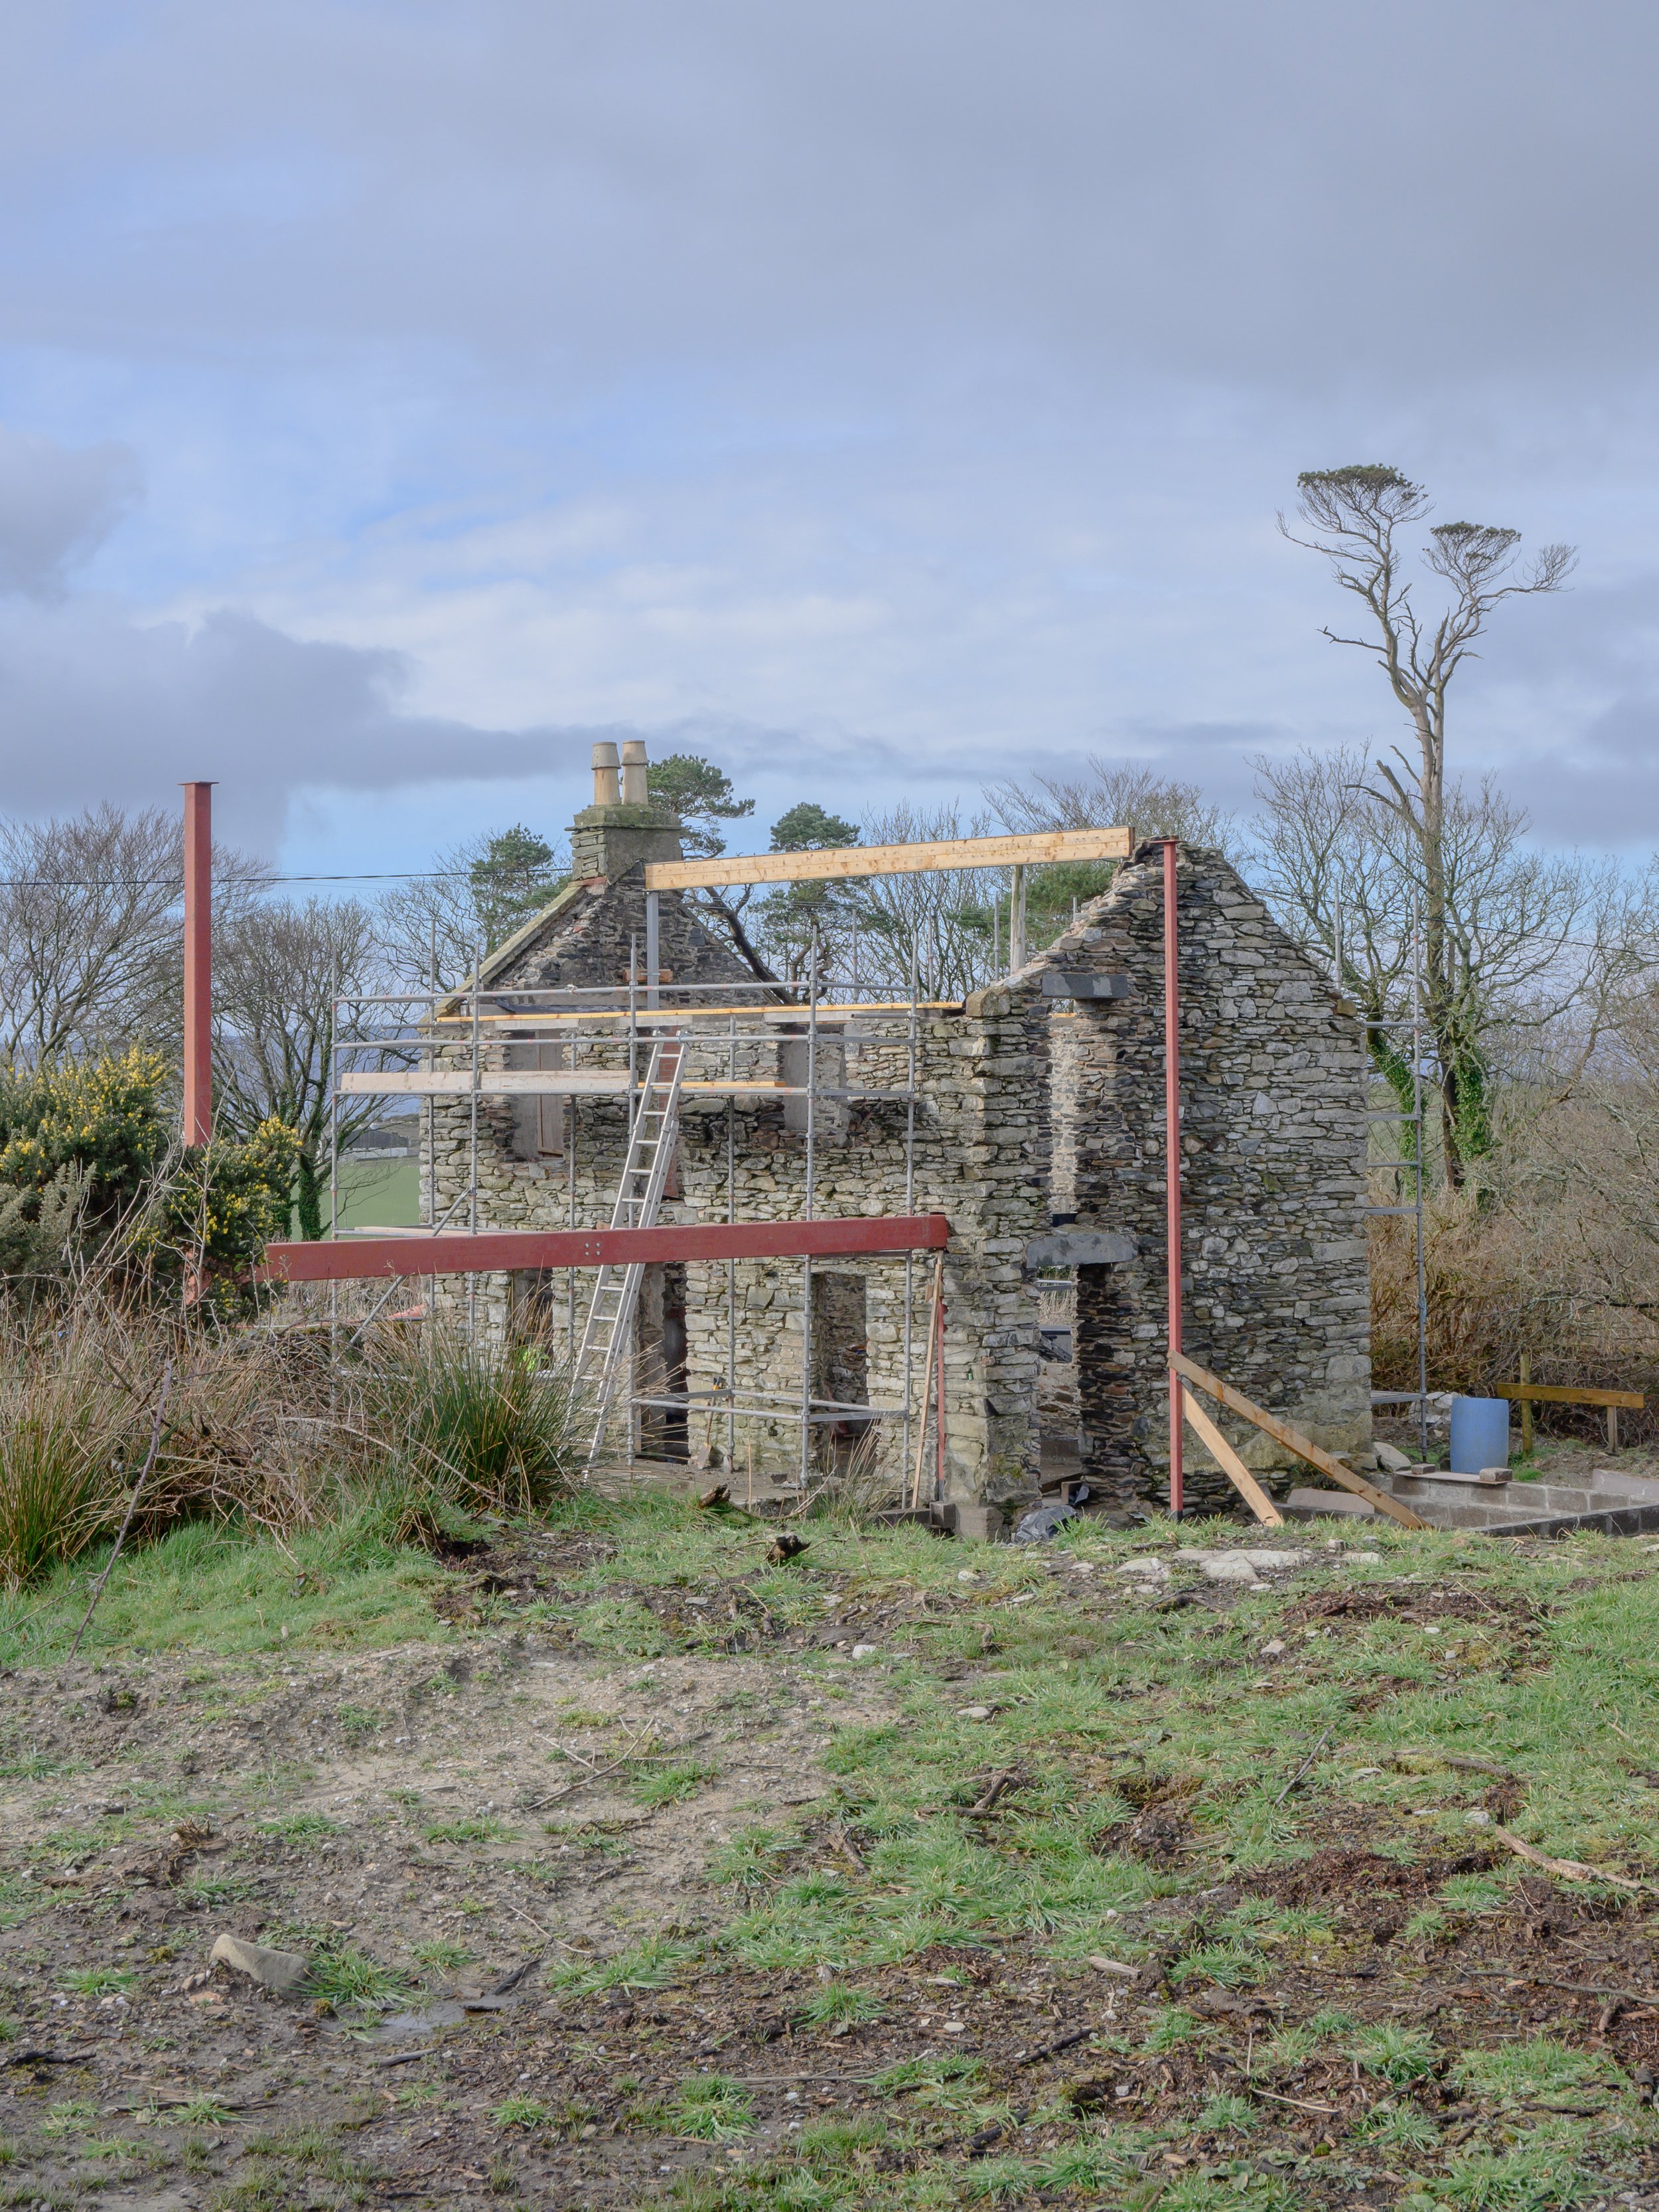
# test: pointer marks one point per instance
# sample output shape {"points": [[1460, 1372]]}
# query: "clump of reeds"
{"points": [[489, 1428], [281, 1429]]}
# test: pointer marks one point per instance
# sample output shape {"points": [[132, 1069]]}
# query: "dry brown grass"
{"points": [[1548, 1264], [280, 1428]]}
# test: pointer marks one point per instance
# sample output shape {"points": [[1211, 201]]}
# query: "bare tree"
{"points": [[475, 894], [88, 925], [1111, 794], [1539, 949], [940, 922], [279, 967], [1356, 516]]}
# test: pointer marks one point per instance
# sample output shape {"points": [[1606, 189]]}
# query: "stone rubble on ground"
{"points": [[279, 1971]]}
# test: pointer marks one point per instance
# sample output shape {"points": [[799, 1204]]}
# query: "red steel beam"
{"points": [[504, 1251], [1172, 1153], [198, 962]]}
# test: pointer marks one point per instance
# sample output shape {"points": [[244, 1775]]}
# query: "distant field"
{"points": [[378, 1193]]}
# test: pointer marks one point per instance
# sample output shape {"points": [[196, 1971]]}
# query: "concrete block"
{"points": [[976, 1524]]}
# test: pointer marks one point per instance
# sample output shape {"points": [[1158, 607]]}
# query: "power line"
{"points": [[224, 882]]}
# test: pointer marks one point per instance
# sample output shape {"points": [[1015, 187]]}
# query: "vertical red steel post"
{"points": [[1172, 1152], [938, 1418], [198, 962]]}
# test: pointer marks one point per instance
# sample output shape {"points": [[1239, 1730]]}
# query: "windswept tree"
{"points": [[702, 796], [511, 880], [790, 915], [1358, 518]]}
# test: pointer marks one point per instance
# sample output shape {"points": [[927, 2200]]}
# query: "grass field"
{"points": [[907, 1875], [383, 1192]]}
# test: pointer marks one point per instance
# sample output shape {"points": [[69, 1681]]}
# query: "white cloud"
{"points": [[877, 397]]}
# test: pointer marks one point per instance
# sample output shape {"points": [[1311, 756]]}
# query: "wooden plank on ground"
{"points": [[1230, 1462], [1553, 1394], [1047, 846], [1294, 1441]]}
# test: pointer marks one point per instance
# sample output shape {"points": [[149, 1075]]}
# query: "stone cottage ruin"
{"points": [[1030, 1116]]}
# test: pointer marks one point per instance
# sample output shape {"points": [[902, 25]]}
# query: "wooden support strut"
{"points": [[1230, 1462], [1294, 1441]]}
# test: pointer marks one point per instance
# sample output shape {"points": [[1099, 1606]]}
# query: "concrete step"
{"points": [[1628, 1506]]}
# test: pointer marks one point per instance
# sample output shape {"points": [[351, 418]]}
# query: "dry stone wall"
{"points": [[1274, 1088]]}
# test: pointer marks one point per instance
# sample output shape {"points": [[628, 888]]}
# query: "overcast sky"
{"points": [[877, 398]]}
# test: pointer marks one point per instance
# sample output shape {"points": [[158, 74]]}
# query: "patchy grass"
{"points": [[211, 1586], [1047, 1775], [477, 1829], [350, 1980]]}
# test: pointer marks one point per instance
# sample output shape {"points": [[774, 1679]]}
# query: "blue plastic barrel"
{"points": [[1479, 1434]]}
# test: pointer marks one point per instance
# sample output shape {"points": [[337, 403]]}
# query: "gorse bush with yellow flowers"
{"points": [[91, 1170]]}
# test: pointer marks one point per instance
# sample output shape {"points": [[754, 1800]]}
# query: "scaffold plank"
{"points": [[507, 1251]]}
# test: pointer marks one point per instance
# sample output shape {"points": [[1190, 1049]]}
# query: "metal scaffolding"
{"points": [[620, 1030]]}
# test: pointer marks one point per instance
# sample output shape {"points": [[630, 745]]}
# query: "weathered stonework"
{"points": [[1275, 1289], [1028, 1110]]}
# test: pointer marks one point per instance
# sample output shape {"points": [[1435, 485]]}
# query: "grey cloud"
{"points": [[1293, 191], [93, 705], [57, 506]]}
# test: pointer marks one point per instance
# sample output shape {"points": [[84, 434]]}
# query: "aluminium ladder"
{"points": [[607, 1336]]}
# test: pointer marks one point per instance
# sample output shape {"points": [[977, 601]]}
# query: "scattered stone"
{"points": [[866, 1650], [1224, 1567], [1155, 1569], [1307, 1504], [975, 1713], [1274, 1647], [273, 1969]]}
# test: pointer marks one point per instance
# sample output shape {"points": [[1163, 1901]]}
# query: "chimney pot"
{"points": [[607, 788], [634, 789]]}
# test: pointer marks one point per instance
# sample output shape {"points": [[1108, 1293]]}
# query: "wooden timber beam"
{"points": [[1229, 1461], [840, 860], [1554, 1394], [1294, 1441], [504, 1251]]}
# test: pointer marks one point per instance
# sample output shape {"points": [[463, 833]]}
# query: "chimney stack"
{"points": [[607, 790], [634, 791], [625, 825]]}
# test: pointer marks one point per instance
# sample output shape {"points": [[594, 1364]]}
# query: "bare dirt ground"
{"points": [[504, 1854], [406, 1799]]}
